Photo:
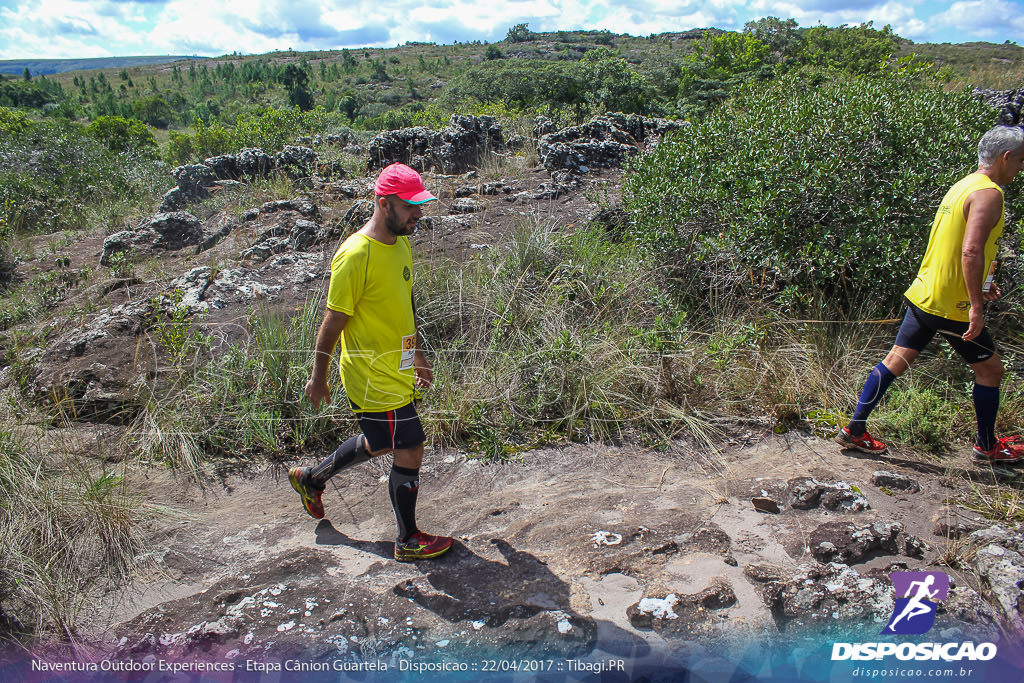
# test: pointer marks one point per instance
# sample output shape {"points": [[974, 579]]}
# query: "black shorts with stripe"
{"points": [[919, 327], [391, 429]]}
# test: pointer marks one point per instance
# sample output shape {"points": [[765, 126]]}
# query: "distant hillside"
{"points": [[56, 66]]}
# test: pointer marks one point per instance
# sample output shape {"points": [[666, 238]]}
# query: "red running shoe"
{"points": [[421, 546], [310, 495], [1008, 451], [864, 442]]}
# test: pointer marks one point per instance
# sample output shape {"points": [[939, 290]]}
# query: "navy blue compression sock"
{"points": [[874, 388], [986, 405]]}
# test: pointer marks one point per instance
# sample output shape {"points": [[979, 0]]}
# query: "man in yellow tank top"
{"points": [[949, 294], [370, 310]]}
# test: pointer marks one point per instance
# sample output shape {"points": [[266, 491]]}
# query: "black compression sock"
{"points": [[352, 452], [403, 485]]}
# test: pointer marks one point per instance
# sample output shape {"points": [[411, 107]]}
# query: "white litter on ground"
{"points": [[601, 538], [659, 607]]}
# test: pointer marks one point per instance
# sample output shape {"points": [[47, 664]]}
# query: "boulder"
{"points": [[850, 543], [1009, 104], [297, 162], [999, 565], [806, 493], [820, 594], [454, 149], [171, 231], [604, 142], [253, 162], [193, 180], [687, 616], [895, 481]]}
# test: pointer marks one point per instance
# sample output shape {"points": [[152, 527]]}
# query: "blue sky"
{"points": [[105, 28]]}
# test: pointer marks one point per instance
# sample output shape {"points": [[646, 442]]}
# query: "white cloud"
{"points": [[984, 19], [76, 28]]}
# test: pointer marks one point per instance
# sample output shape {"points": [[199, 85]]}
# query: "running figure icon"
{"points": [[915, 606], [918, 595]]}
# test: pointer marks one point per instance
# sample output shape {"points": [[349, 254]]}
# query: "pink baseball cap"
{"points": [[403, 181]]}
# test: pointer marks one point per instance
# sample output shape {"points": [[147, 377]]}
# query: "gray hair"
{"points": [[997, 141]]}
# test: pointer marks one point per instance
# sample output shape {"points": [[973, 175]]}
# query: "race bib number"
{"points": [[408, 352]]}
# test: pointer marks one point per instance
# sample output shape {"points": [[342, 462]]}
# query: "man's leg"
{"points": [[881, 376], [988, 375], [403, 485], [350, 453], [310, 482], [855, 434]]}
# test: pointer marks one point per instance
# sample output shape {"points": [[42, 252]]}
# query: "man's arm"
{"points": [[421, 366], [982, 210], [327, 337]]}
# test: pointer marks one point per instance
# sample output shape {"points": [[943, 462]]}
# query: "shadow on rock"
{"points": [[326, 534], [520, 596], [462, 586]]}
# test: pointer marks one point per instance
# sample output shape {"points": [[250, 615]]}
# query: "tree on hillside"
{"points": [[613, 84], [26, 75], [154, 110], [719, 63], [781, 37], [857, 49], [520, 33]]}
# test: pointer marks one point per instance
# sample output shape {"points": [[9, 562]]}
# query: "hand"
{"points": [[317, 391], [992, 294], [977, 323], [424, 373]]}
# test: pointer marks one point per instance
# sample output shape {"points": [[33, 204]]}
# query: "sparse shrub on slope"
{"points": [[270, 130], [808, 194], [54, 174]]}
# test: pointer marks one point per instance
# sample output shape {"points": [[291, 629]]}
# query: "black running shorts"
{"points": [[392, 429], [919, 327]]}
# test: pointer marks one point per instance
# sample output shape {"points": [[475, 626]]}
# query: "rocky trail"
{"points": [[586, 553]]}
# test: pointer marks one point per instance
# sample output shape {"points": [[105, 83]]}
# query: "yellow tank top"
{"points": [[939, 287]]}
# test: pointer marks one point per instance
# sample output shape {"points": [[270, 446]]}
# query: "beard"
{"points": [[397, 227]]}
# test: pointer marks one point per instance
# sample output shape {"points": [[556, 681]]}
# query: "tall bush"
{"points": [[808, 193]]}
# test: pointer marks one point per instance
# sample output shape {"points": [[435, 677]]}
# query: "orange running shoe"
{"points": [[310, 495], [1008, 451], [864, 442]]}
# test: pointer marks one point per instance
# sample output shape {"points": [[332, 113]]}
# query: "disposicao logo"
{"points": [[918, 595]]}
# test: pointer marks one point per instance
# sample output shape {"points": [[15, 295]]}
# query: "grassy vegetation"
{"points": [[67, 530], [234, 401]]}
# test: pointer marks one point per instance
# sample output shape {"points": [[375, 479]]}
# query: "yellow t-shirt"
{"points": [[939, 287], [371, 282]]}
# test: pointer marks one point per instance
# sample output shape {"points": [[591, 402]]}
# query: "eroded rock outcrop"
{"points": [[604, 142], [170, 231], [454, 149]]}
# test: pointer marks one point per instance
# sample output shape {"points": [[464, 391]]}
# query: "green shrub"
{"points": [[918, 416], [270, 130], [856, 49], [121, 135], [154, 110], [56, 174], [239, 401], [809, 194]]}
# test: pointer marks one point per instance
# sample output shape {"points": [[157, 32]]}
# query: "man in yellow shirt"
{"points": [[370, 310], [949, 294]]}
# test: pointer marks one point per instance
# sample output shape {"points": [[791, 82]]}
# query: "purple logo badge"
{"points": [[917, 596]]}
